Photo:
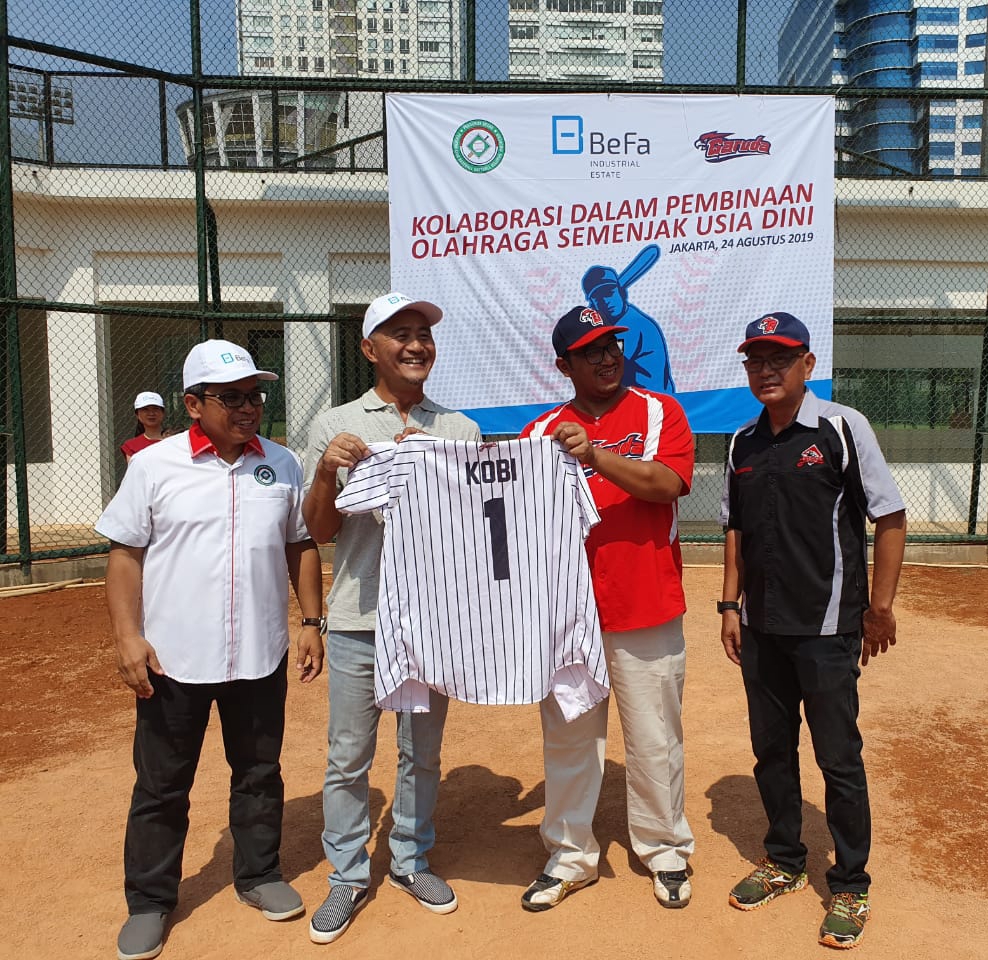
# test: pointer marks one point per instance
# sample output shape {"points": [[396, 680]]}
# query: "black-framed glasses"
{"points": [[234, 399], [594, 355], [777, 362]]}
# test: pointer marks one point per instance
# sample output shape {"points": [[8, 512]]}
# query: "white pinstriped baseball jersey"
{"points": [[485, 586]]}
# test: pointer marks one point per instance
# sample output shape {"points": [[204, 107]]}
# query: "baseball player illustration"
{"points": [[646, 356]]}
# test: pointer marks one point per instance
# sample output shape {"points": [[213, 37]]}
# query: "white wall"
{"points": [[311, 240]]}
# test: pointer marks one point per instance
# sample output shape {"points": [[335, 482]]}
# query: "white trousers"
{"points": [[647, 669]]}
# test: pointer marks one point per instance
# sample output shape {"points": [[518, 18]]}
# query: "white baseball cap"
{"points": [[219, 361], [384, 308], [148, 399]]}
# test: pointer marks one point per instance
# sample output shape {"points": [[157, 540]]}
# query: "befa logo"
{"points": [[718, 147], [478, 146], [592, 317], [567, 137]]}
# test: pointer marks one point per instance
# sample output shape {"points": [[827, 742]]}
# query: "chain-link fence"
{"points": [[172, 172]]}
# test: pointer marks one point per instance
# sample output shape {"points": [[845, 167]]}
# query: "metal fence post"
{"points": [[980, 427], [8, 286], [199, 155], [742, 41]]}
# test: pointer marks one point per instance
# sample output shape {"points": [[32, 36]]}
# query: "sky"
{"points": [[699, 47]]}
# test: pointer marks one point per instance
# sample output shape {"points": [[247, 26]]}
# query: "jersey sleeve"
{"points": [[674, 440], [127, 517], [879, 489], [728, 510], [297, 530], [320, 433], [589, 516], [368, 483]]}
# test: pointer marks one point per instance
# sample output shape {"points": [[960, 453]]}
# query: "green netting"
{"points": [[174, 171]]}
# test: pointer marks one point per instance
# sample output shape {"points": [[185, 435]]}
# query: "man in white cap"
{"points": [[206, 531], [397, 340]]}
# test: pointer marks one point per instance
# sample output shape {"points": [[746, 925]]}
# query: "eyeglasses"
{"points": [[595, 355], [776, 362], [234, 399]]}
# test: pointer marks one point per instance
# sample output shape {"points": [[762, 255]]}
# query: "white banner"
{"points": [[681, 217]]}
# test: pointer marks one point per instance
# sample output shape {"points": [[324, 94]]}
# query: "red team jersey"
{"points": [[634, 554]]}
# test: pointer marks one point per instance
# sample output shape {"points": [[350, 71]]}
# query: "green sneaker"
{"points": [[766, 882], [843, 926]]}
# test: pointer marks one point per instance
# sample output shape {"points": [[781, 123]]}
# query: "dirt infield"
{"points": [[65, 780]]}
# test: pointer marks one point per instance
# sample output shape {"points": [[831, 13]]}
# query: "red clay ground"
{"points": [[65, 727]]}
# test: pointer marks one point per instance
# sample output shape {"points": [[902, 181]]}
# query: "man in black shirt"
{"points": [[801, 480]]}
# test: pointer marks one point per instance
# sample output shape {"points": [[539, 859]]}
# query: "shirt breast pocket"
{"points": [[272, 496]]}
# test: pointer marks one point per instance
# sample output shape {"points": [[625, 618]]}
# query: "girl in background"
{"points": [[150, 410]]}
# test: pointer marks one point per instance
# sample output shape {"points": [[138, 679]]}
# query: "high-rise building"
{"points": [[584, 40], [895, 43]]}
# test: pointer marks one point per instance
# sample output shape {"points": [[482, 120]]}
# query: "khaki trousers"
{"points": [[647, 669]]}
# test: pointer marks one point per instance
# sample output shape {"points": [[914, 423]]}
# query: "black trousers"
{"points": [[822, 673], [168, 739]]}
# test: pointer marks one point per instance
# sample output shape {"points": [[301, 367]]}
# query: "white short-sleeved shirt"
{"points": [[485, 590], [215, 578]]}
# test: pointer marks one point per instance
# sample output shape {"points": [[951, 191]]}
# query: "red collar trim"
{"points": [[199, 443]]}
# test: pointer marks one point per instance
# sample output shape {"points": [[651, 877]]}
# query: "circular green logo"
{"points": [[265, 475], [478, 146]]}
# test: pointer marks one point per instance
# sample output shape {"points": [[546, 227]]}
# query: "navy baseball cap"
{"points": [[781, 328], [579, 327]]}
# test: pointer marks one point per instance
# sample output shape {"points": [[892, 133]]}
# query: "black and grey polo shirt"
{"points": [[799, 501]]}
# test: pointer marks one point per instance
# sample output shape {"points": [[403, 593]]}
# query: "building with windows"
{"points": [[910, 44], [419, 39], [583, 40]]}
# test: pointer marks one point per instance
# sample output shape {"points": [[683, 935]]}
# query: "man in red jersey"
{"points": [[637, 451]]}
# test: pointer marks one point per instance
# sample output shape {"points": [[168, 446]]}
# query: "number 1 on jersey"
{"points": [[494, 511]]}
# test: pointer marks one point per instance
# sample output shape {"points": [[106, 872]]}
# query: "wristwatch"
{"points": [[319, 622], [723, 605]]}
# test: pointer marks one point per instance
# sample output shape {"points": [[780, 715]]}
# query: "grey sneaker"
{"points": [[276, 900], [672, 888], [547, 892], [142, 936], [434, 893], [333, 917]]}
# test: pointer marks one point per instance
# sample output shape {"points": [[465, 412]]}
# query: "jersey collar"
{"points": [[199, 443], [373, 402], [808, 414]]}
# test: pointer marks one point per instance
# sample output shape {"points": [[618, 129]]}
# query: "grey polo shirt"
{"points": [[352, 601]]}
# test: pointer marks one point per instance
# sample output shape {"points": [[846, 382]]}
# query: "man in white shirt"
{"points": [[206, 531], [398, 342]]}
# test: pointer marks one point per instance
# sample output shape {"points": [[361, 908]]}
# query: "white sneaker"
{"points": [[548, 892], [672, 888]]}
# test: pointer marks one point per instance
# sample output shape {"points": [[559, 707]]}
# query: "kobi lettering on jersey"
{"points": [[491, 471], [810, 456]]}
